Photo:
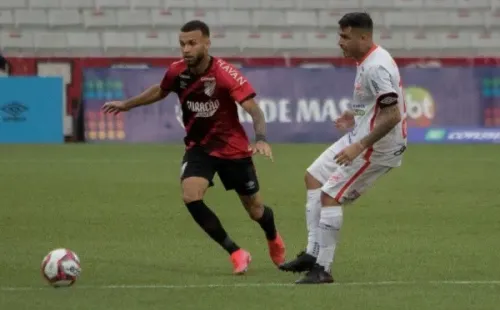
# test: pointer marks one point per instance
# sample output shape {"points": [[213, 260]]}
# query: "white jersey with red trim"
{"points": [[378, 83]]}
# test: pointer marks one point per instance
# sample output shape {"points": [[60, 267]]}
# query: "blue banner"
{"points": [[455, 135], [31, 110], [299, 104]]}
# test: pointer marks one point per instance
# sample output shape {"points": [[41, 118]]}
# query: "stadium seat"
{"points": [[13, 4], [50, 40], [322, 40], [421, 40], [408, 4], [435, 18], [105, 4], [226, 40], [377, 4], [454, 40], [30, 17], [119, 40], [234, 18], [486, 40], [244, 4], [6, 18], [329, 19], [208, 17], [315, 4], [344, 4], [84, 40], [77, 4], [17, 39], [400, 18], [495, 5], [492, 19], [390, 40], [167, 18], [474, 4], [301, 18], [268, 18], [212, 4], [180, 4], [155, 40], [277, 4], [257, 40], [99, 18], [440, 4], [147, 4], [44, 4], [64, 18], [134, 18], [378, 19], [467, 18], [289, 40]]}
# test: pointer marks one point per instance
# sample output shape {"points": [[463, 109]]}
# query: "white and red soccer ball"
{"points": [[61, 267]]}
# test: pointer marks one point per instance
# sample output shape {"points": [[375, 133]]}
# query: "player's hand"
{"points": [[345, 121], [263, 148], [115, 107], [347, 155]]}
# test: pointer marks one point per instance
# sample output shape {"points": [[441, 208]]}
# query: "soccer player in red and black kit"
{"points": [[208, 88]]}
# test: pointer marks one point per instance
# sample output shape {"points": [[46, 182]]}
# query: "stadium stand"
{"points": [[267, 27]]}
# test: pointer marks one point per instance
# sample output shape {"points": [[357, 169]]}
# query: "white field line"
{"points": [[248, 285]]}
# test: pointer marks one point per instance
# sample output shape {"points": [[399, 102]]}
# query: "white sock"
{"points": [[329, 227], [313, 211]]}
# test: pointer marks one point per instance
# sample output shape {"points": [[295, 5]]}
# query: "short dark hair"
{"points": [[196, 25], [359, 20]]}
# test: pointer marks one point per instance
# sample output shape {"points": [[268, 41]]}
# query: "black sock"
{"points": [[211, 224], [267, 223]]}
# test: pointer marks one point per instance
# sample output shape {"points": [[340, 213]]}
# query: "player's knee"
{"points": [[327, 200], [192, 190], [253, 205], [188, 197], [311, 182]]}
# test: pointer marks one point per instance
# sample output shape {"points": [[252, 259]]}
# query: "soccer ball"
{"points": [[61, 267]]}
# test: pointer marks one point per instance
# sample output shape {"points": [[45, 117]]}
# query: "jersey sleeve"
{"points": [[168, 82], [239, 87], [380, 84]]}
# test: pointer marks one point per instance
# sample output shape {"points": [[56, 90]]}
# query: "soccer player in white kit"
{"points": [[375, 145]]}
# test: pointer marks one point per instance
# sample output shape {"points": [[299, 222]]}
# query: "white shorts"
{"points": [[345, 183]]}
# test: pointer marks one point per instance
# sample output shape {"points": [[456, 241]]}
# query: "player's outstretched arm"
{"points": [[151, 95], [389, 117], [259, 126]]}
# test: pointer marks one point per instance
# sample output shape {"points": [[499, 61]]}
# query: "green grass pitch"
{"points": [[427, 236]]}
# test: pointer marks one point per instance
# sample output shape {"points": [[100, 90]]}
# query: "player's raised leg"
{"points": [[264, 216], [240, 175], [197, 173]]}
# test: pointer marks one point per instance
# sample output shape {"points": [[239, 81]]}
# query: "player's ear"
{"points": [[208, 43]]}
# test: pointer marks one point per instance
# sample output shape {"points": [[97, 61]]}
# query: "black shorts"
{"points": [[235, 174]]}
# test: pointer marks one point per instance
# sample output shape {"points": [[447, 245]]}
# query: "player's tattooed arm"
{"points": [[388, 118], [258, 118]]}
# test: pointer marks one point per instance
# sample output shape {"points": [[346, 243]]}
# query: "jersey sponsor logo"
{"points": [[234, 73], [203, 109]]}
